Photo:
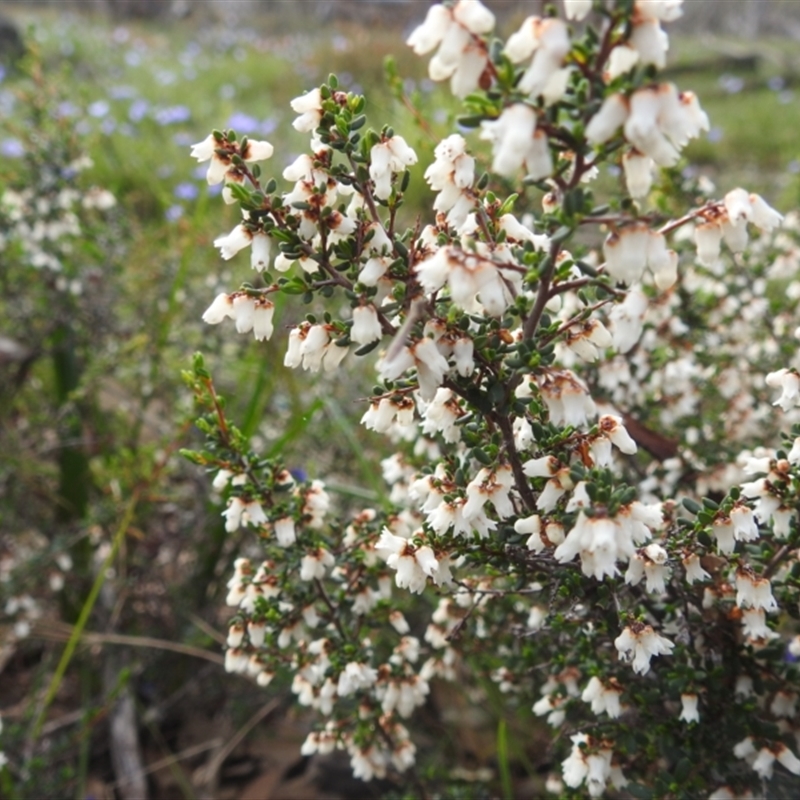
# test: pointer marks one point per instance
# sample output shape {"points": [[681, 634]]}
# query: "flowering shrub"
{"points": [[53, 229], [589, 481]]}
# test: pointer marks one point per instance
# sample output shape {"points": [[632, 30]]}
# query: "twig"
{"points": [[775, 561], [542, 296], [123, 734], [207, 629], [523, 485], [676, 223], [221, 421], [579, 317], [189, 752], [206, 776], [331, 607], [54, 634], [459, 627], [86, 610]]}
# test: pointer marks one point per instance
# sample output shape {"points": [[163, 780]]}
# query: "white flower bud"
{"points": [[577, 9], [285, 532], [522, 43], [650, 42], [260, 252], [621, 60], [626, 253], [429, 35], [474, 16], [511, 134], [689, 712], [236, 240], [608, 120], [708, 237], [638, 173], [244, 308], [764, 216], [220, 309], [262, 319], [366, 326], [642, 128], [309, 106]]}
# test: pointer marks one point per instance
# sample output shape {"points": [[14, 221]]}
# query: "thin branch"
{"points": [[532, 322], [579, 317], [60, 635], [671, 226], [208, 774], [199, 622], [221, 421], [331, 607], [776, 560], [365, 192], [523, 485], [168, 761], [455, 634]]}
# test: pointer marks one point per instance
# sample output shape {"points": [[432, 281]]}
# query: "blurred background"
{"points": [[113, 555]]}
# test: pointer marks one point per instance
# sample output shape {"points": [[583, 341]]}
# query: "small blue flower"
{"points": [[173, 213], [12, 148], [99, 108], [173, 115], [193, 49], [243, 123], [121, 35], [138, 110], [122, 92], [67, 109], [186, 191], [166, 77], [732, 84], [268, 126], [776, 83]]}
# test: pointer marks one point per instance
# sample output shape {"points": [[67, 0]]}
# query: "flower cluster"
{"points": [[552, 412], [456, 31]]}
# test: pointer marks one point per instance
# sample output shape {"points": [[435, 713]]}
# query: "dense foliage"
{"points": [[589, 480], [579, 563]]}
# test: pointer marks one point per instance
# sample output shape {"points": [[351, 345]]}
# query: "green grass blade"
{"points": [[502, 760], [296, 428], [86, 610]]}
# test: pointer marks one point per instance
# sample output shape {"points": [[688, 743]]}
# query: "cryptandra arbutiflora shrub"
{"points": [[590, 484]]}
